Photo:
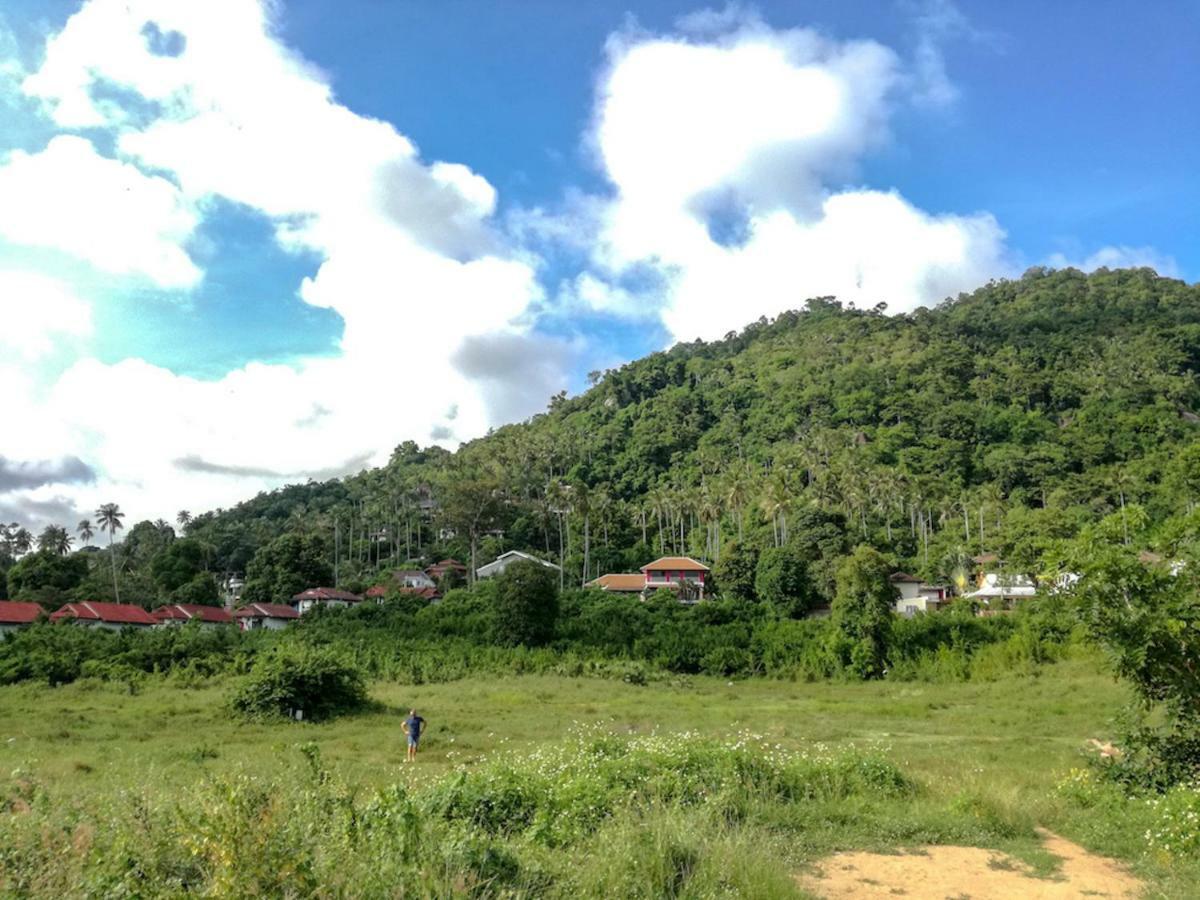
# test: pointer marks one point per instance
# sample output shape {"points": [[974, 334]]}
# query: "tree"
{"points": [[184, 518], [781, 579], [288, 565], [863, 611], [734, 572], [54, 539], [84, 530], [1146, 617], [470, 500], [526, 605], [45, 576], [178, 563], [109, 516]]}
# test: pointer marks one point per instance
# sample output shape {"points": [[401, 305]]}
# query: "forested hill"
{"points": [[1000, 421]]}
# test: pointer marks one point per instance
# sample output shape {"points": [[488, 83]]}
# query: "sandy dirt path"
{"points": [[969, 873]]}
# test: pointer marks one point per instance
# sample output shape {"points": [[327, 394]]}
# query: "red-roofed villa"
{"points": [[113, 616], [681, 573], [323, 596], [271, 616], [14, 615], [182, 613]]}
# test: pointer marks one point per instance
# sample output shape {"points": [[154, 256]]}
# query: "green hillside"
{"points": [[1000, 421]]}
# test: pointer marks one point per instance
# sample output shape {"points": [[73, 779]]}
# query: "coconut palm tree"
{"points": [[22, 541], [184, 518], [109, 516], [84, 529]]}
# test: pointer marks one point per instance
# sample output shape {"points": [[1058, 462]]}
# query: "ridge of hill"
{"points": [[999, 421]]}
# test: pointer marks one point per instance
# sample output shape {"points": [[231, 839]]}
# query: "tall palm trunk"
{"points": [[112, 553]]}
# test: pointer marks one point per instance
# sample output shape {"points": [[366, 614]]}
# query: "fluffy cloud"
{"points": [[37, 312], [70, 198], [206, 99], [727, 148]]}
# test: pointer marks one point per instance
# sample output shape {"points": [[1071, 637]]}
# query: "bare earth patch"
{"points": [[969, 873]]}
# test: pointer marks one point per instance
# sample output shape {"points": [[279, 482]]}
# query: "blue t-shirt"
{"points": [[415, 724]]}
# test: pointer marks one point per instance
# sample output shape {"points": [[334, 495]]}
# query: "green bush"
{"points": [[317, 683]]}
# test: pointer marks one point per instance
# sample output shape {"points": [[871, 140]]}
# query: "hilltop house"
{"points": [[271, 616], [440, 570], [504, 560], [181, 613], [999, 591], [110, 616], [916, 596], [677, 573], [413, 578], [681, 574], [14, 615], [331, 598]]}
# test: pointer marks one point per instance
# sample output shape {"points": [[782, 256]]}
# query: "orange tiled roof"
{"points": [[620, 581], [676, 564]]}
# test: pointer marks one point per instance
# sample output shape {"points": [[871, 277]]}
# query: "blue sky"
{"points": [[481, 202]]}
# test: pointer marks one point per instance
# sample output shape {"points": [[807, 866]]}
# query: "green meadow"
{"points": [[545, 786]]}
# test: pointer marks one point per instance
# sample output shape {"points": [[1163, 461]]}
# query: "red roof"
{"points": [[112, 613], [266, 611], [446, 565], [16, 613], [377, 591], [675, 564], [187, 611], [324, 593]]}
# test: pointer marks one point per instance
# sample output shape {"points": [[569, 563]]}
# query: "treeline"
{"points": [[520, 623]]}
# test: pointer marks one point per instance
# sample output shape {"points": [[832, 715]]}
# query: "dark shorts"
{"points": [[413, 740]]}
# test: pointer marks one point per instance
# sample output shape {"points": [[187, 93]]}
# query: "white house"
{"points": [[1000, 591], [916, 596], [332, 598], [413, 578], [504, 560], [110, 616], [14, 615], [270, 616]]}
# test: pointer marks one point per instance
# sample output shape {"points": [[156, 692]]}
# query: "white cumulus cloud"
{"points": [[729, 148], [36, 312], [68, 197]]}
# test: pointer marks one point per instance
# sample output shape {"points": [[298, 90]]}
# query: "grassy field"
{"points": [[984, 759]]}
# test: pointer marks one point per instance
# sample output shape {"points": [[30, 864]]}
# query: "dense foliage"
{"points": [[1002, 421]]}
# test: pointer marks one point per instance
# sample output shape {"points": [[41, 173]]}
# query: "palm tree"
{"points": [[109, 516], [1120, 480], [184, 518], [22, 540], [84, 528], [62, 541]]}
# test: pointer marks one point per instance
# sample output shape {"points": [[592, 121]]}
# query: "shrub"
{"points": [[1176, 829], [319, 683]]}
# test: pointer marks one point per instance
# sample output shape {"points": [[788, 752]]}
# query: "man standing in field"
{"points": [[412, 727]]}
